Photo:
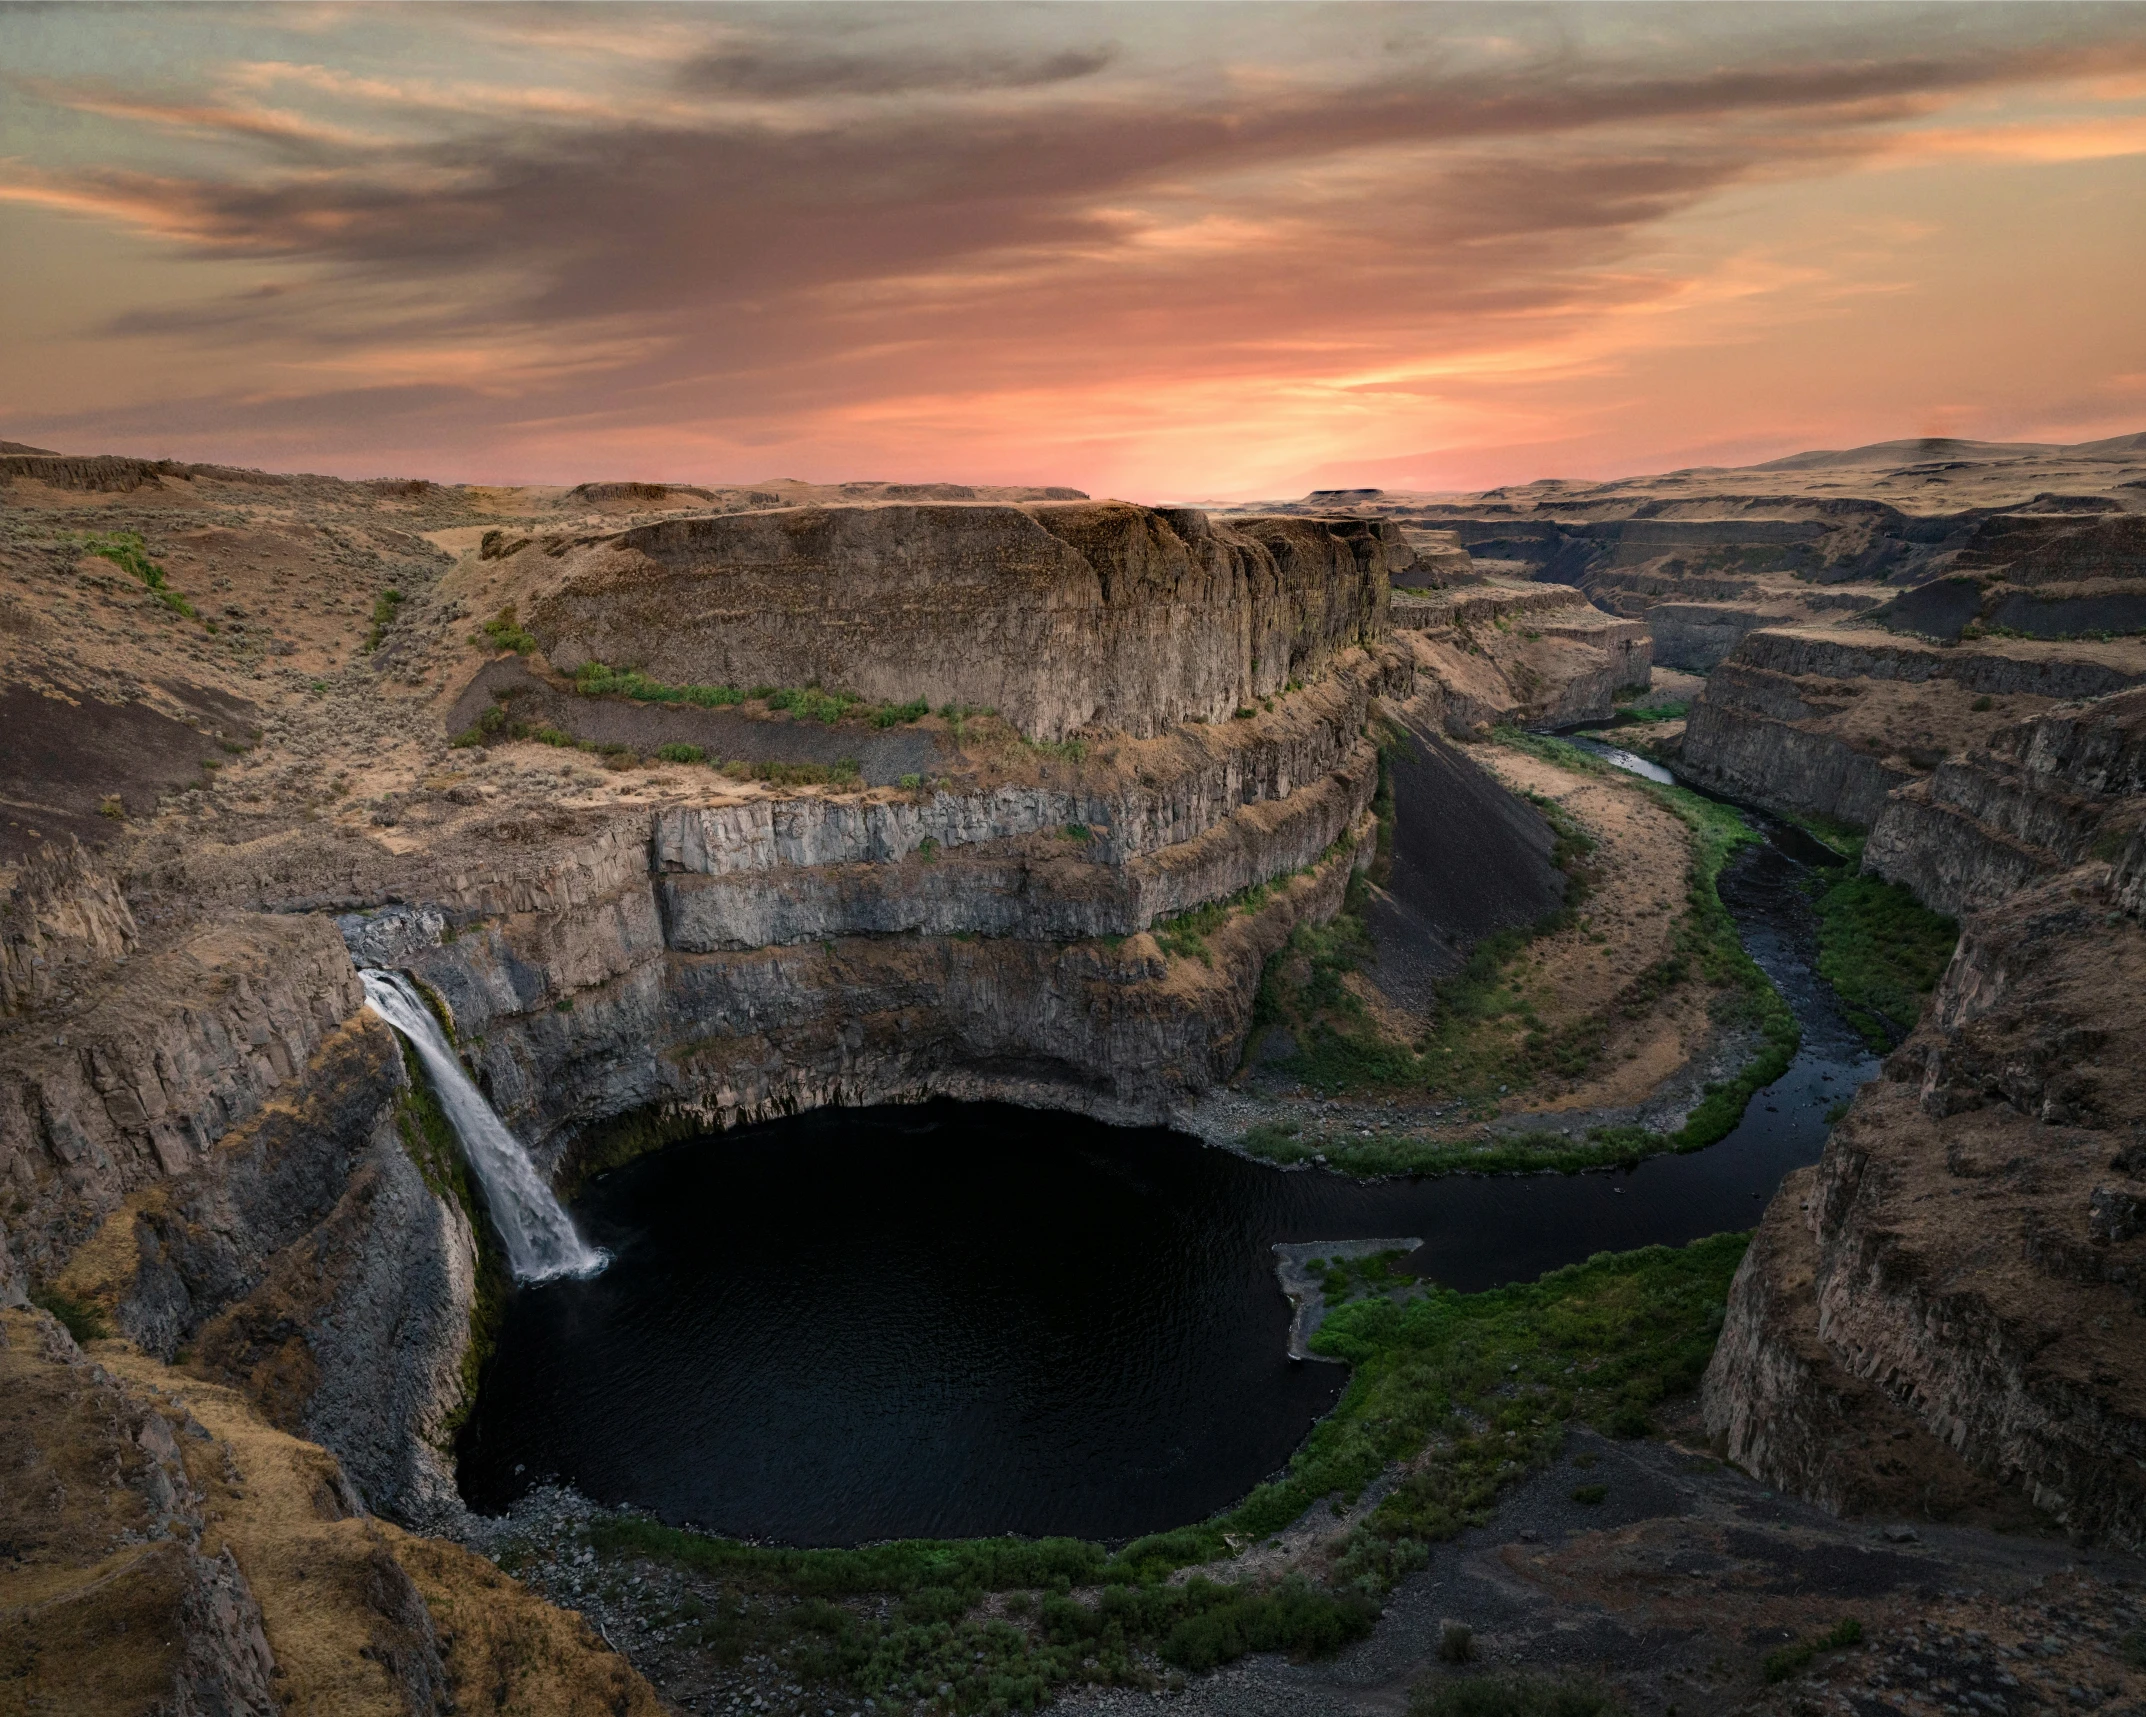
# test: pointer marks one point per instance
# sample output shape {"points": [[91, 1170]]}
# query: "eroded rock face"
{"points": [[2038, 798], [1966, 1264], [1829, 723], [1534, 655], [63, 914], [1058, 616]]}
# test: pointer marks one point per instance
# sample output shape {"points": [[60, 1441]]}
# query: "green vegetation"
{"points": [[1590, 1494], [1789, 1659], [496, 724], [503, 632], [127, 551], [808, 703], [1882, 950], [81, 1319], [385, 607], [1488, 1036], [1513, 1696], [1657, 712], [1184, 935], [1344, 1279], [1463, 1393]]}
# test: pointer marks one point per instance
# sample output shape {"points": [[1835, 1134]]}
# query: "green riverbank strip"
{"points": [[1706, 949], [1880, 948], [1461, 1395]]}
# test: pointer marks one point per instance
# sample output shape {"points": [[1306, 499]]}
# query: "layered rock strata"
{"points": [[2036, 799], [1534, 655], [1059, 616], [1828, 722], [215, 1151], [1963, 1271], [1948, 1308]]}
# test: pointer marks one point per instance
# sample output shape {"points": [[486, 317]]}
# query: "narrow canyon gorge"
{"points": [[1402, 847]]}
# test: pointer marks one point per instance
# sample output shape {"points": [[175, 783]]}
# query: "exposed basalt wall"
{"points": [[2032, 802], [1535, 655], [1697, 637], [1060, 617], [2035, 669], [1973, 1245], [62, 916], [1830, 724], [305, 1259], [1112, 1028], [1754, 755], [141, 1087]]}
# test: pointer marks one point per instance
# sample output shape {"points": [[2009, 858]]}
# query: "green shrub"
{"points": [[1883, 952], [503, 631], [1590, 1494], [679, 752], [1296, 1617], [81, 1319]]}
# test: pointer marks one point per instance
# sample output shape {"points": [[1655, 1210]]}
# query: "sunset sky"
{"points": [[1165, 252]]}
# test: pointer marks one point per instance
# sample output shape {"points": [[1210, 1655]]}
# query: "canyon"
{"points": [[692, 807]]}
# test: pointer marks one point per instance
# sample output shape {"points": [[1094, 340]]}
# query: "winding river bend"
{"points": [[966, 1319]]}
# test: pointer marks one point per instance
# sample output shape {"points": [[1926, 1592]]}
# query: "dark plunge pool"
{"points": [[966, 1319]]}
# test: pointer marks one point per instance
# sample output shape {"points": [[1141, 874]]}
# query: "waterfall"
{"points": [[540, 1237]]}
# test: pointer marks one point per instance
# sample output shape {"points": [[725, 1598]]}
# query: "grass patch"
{"points": [[1882, 950], [1470, 1392], [1655, 712], [808, 703], [496, 725], [1796, 1656], [127, 551], [1488, 1038], [385, 607]]}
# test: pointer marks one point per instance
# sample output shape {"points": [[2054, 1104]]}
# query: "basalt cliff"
{"points": [[685, 808]]}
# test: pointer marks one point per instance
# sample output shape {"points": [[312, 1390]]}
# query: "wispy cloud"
{"points": [[831, 224]]}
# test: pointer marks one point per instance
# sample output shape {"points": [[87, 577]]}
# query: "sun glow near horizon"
{"points": [[1205, 252]]}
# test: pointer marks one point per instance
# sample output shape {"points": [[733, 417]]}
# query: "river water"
{"points": [[964, 1319]]}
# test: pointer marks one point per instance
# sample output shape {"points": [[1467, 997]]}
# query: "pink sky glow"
{"points": [[1167, 252]]}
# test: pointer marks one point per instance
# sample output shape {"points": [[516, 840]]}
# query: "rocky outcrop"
{"points": [[142, 1085], [1533, 655], [2032, 802], [211, 1157], [62, 915], [172, 1553], [1965, 1270], [134, 1607], [1829, 723], [1059, 616]]}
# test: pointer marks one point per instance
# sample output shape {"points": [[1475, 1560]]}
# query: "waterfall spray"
{"points": [[540, 1238]]}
